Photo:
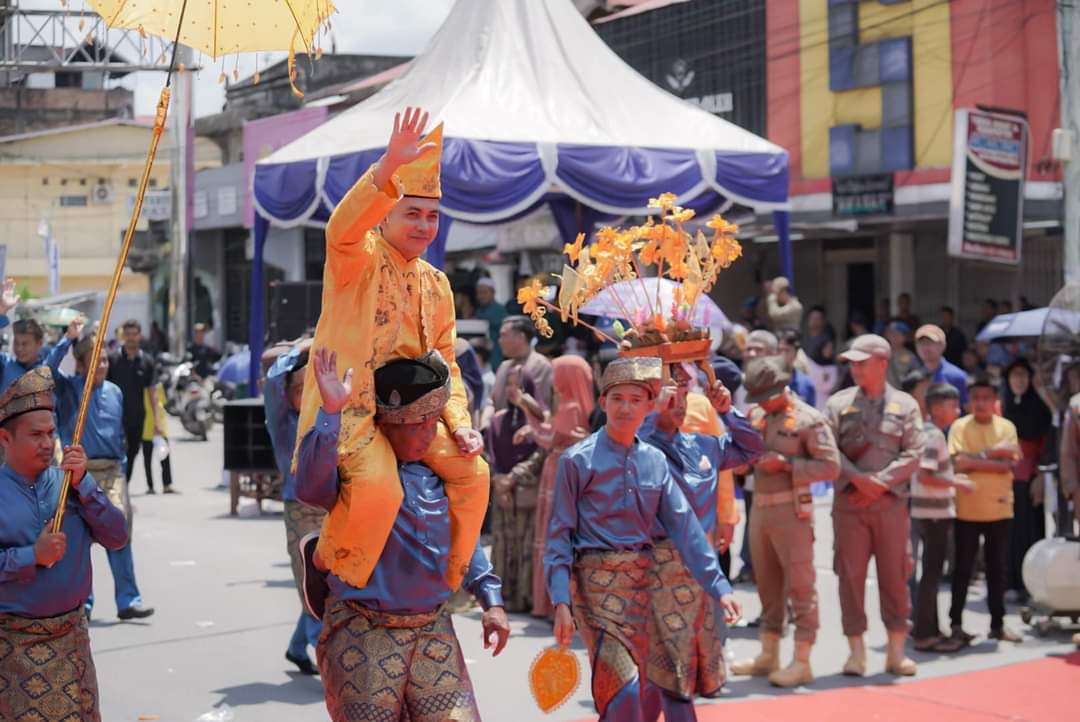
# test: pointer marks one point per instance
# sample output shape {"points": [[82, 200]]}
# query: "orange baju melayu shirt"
{"points": [[378, 306]]}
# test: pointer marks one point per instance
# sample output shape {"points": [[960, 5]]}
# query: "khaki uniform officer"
{"points": [[879, 432], [799, 450]]}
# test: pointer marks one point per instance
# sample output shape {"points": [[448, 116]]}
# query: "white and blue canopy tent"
{"points": [[538, 110]]}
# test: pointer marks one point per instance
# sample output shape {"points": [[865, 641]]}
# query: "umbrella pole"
{"points": [[125, 248], [99, 340]]}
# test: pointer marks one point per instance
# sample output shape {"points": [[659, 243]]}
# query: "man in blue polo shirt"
{"points": [[930, 342]]}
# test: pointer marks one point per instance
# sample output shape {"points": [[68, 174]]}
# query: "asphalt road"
{"points": [[226, 607]]}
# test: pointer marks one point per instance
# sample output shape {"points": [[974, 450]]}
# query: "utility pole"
{"points": [[1068, 15], [181, 172]]}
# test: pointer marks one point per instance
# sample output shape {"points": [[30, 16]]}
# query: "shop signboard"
{"points": [[863, 195], [986, 207]]}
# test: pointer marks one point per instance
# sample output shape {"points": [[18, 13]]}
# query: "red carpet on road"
{"points": [[1046, 690]]}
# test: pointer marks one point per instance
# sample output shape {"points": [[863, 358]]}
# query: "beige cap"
{"points": [[765, 378], [932, 332], [780, 283], [865, 346]]}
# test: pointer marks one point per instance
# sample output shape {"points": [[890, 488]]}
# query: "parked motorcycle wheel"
{"points": [[197, 418]]}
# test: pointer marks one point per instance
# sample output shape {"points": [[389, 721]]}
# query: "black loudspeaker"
{"points": [[247, 442], [294, 308]]}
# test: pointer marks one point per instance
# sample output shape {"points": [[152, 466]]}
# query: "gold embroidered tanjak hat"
{"points": [[31, 392], [421, 177], [411, 391], [645, 371]]}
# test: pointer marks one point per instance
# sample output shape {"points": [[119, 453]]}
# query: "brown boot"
{"points": [[798, 672], [855, 666], [765, 663], [896, 662]]}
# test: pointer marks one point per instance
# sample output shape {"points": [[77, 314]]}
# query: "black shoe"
{"points": [[1005, 634], [314, 585], [150, 490], [169, 490], [962, 636], [136, 611], [303, 664]]}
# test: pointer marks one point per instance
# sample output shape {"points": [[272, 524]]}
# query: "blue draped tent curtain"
{"points": [[488, 182]]}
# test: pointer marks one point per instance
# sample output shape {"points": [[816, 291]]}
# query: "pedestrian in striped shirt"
{"points": [[933, 512]]}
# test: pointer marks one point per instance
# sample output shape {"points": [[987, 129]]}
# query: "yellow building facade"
{"points": [[81, 180], [927, 23]]}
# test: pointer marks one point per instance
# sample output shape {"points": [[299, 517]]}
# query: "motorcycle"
{"points": [[222, 393], [197, 409], [167, 365]]}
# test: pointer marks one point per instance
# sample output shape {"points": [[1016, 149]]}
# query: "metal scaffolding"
{"points": [[34, 40]]}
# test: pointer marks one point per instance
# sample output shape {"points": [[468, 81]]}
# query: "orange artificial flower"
{"points": [[726, 251], [718, 224], [574, 249], [682, 215], [529, 296], [665, 202], [649, 252]]}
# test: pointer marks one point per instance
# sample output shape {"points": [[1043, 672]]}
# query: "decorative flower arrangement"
{"points": [[617, 255]]}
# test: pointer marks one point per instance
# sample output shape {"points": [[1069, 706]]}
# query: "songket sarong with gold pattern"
{"points": [[377, 665], [686, 650], [612, 602], [46, 671]]}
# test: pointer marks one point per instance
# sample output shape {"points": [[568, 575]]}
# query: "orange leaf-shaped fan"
{"points": [[553, 677]]}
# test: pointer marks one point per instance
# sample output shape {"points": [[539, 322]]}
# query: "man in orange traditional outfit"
{"points": [[382, 302]]}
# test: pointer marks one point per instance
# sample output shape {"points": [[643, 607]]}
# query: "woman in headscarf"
{"points": [[515, 468], [1023, 406], [574, 402]]}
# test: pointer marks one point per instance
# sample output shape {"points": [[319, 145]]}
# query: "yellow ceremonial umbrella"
{"points": [[222, 27], [214, 27]]}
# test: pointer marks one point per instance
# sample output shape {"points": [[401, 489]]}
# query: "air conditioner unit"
{"points": [[103, 193]]}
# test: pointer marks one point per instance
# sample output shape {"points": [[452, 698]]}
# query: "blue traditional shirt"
{"points": [[803, 387], [281, 419], [410, 576], [103, 435], [27, 590], [694, 461], [609, 498], [11, 369]]}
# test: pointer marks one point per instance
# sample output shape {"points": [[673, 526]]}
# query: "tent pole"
{"points": [[256, 312], [782, 221]]}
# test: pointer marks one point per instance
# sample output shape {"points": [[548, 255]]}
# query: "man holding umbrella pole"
{"points": [[45, 575]]}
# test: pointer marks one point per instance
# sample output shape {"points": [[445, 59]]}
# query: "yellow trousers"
{"points": [[356, 530]]}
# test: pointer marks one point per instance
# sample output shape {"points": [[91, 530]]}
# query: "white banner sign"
{"points": [[157, 205]]}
